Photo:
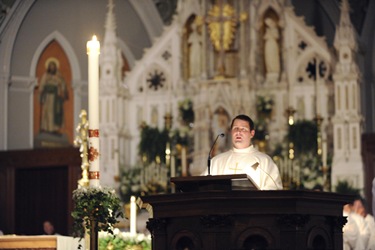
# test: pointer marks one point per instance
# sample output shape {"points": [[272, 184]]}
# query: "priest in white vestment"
{"points": [[243, 158]]}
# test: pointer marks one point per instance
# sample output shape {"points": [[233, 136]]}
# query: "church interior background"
{"points": [[172, 76]]}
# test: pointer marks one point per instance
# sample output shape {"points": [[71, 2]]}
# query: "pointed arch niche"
{"points": [[64, 135], [220, 124]]}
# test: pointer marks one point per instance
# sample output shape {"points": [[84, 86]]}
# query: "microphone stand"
{"points": [[209, 154]]}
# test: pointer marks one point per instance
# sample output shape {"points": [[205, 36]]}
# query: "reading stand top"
{"points": [[214, 182]]}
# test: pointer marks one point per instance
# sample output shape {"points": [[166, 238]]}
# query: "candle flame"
{"points": [[93, 46]]}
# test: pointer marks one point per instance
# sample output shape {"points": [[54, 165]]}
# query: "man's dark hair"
{"points": [[244, 118]]}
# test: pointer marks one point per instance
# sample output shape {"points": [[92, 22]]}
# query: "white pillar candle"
{"points": [[324, 153], [133, 216], [317, 89], [93, 50], [183, 161]]}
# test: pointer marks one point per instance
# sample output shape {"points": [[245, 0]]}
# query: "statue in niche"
{"points": [[154, 116], [271, 48], [194, 42], [53, 94], [301, 108], [220, 124]]}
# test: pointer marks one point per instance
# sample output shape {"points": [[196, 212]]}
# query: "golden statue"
{"points": [[222, 26]]}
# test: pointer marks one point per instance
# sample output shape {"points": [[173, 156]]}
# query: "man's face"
{"points": [[241, 134], [52, 68]]}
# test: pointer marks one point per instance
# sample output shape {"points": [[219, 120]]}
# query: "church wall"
{"points": [[73, 23], [20, 113], [80, 21]]}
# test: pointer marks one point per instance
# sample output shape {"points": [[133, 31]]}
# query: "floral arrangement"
{"points": [[264, 105], [98, 204], [152, 144], [130, 183], [311, 174], [124, 240], [186, 112]]}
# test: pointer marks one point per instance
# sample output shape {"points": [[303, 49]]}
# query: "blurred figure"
{"points": [[48, 228], [350, 229], [359, 231], [367, 221], [53, 94]]}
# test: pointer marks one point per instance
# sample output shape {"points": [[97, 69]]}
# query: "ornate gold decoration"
{"points": [[52, 59], [93, 154], [222, 26], [243, 16], [81, 140], [94, 175], [93, 132], [318, 119]]}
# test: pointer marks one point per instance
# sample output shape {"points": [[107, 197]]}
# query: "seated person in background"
{"points": [[48, 228], [244, 158]]}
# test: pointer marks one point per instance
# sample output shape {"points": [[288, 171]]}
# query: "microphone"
{"points": [[256, 165], [209, 154]]}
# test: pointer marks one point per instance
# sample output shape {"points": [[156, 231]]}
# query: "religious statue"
{"points": [[194, 41], [222, 28], [271, 47], [53, 93], [220, 124]]}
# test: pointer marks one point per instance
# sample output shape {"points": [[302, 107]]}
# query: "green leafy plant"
{"points": [[124, 240], [186, 111], [343, 187], [303, 134], [264, 105], [95, 204]]}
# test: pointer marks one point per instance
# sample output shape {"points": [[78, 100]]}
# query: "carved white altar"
{"points": [[246, 50]]}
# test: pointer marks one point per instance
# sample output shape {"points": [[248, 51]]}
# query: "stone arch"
{"points": [[319, 238], [220, 122], [185, 239], [255, 238], [73, 60], [53, 134]]}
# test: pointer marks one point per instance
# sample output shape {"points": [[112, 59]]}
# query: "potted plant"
{"points": [[96, 209]]}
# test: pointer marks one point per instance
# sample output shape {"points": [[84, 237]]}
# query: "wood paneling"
{"points": [[36, 185], [368, 156]]}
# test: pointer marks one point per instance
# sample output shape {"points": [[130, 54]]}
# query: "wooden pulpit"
{"points": [[213, 216]]}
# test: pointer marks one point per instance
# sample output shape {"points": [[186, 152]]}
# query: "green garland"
{"points": [[152, 144], [303, 134], [98, 204]]}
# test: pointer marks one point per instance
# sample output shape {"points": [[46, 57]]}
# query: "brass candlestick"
{"points": [[82, 141]]}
